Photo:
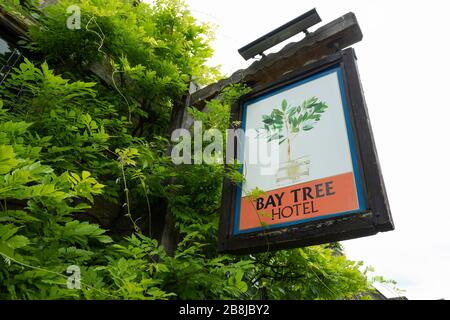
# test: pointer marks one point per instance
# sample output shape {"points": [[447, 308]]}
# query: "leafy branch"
{"points": [[285, 123]]}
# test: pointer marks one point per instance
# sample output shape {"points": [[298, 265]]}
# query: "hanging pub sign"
{"points": [[313, 175]]}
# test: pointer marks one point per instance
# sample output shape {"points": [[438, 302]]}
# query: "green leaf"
{"points": [[104, 239], [268, 121], [76, 177], [18, 241], [85, 175], [8, 159], [7, 231], [284, 105]]}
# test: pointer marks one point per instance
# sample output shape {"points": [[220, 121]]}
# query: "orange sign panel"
{"points": [[305, 201]]}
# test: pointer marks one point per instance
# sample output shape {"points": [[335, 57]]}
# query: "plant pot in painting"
{"points": [[286, 123], [293, 171]]}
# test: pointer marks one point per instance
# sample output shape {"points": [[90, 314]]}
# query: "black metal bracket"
{"points": [[286, 31]]}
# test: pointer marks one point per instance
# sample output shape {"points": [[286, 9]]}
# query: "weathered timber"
{"points": [[13, 26], [286, 31], [180, 118], [326, 40]]}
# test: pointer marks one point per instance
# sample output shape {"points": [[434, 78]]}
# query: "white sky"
{"points": [[404, 66]]}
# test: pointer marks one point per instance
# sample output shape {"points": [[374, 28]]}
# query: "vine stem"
{"points": [[99, 49], [121, 94], [102, 36], [148, 208], [136, 228]]}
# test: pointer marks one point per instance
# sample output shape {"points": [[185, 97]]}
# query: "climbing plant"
{"points": [[285, 123], [84, 135]]}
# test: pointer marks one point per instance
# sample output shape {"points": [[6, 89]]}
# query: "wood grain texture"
{"points": [[328, 39]]}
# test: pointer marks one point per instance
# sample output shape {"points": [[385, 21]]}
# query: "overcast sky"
{"points": [[404, 67]]}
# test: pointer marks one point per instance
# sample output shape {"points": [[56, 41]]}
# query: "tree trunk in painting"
{"points": [[288, 138]]}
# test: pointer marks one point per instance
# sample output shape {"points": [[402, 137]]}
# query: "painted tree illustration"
{"points": [[285, 123]]}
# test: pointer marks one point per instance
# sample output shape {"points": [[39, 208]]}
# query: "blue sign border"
{"points": [[356, 173]]}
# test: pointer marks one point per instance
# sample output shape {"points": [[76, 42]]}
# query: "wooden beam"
{"points": [[13, 26], [179, 119], [286, 31], [326, 40]]}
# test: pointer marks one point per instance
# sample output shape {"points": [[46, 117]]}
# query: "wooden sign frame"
{"points": [[374, 218]]}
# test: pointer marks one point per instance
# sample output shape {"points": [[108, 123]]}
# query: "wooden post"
{"points": [[180, 119]]}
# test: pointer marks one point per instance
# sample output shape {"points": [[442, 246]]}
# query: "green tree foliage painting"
{"points": [[85, 179], [285, 123]]}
